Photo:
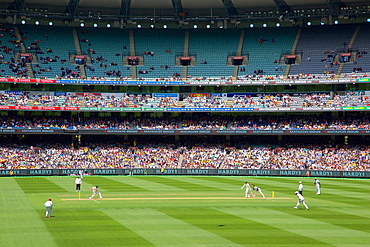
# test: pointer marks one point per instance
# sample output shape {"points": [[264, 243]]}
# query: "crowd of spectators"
{"points": [[268, 100], [255, 123], [205, 101], [192, 122], [206, 156], [205, 123], [247, 158], [155, 123], [319, 158], [148, 156], [203, 156], [85, 100]]}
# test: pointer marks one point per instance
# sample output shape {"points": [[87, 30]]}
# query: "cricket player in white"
{"points": [[49, 206], [258, 189], [95, 190], [300, 188], [248, 190], [317, 185], [300, 200]]}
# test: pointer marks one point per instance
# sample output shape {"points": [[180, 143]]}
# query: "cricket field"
{"points": [[183, 211]]}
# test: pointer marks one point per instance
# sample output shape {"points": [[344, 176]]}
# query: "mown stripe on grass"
{"points": [[337, 197], [148, 185], [107, 184], [299, 223], [90, 228], [217, 183], [361, 212], [180, 183], [21, 224], [346, 186], [163, 230], [341, 219], [38, 185], [67, 183], [239, 230], [224, 180]]}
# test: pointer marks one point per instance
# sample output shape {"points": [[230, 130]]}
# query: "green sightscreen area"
{"points": [[183, 211]]}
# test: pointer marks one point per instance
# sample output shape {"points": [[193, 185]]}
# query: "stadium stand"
{"points": [[361, 48], [264, 47], [212, 48], [191, 122], [10, 46], [103, 99], [52, 47], [319, 47], [106, 48], [193, 127], [159, 52], [100, 155]]}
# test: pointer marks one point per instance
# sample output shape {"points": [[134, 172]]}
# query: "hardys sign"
{"points": [[191, 172]]}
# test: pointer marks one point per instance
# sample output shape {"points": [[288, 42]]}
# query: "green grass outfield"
{"points": [[183, 211]]}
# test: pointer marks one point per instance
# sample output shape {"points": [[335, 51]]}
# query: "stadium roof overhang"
{"points": [[185, 10]]}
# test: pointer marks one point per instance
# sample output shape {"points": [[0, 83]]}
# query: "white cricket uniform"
{"points": [[300, 200], [300, 188], [95, 190], [248, 190], [49, 206], [317, 185], [259, 190]]}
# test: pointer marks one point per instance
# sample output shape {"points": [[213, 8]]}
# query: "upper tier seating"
{"points": [[264, 46], [159, 48], [318, 44], [361, 44], [212, 46], [106, 48], [9, 45], [60, 42]]}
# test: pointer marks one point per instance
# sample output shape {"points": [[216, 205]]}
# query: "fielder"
{"points": [[258, 189], [317, 184], [300, 200], [248, 190], [300, 188], [95, 190], [49, 206]]}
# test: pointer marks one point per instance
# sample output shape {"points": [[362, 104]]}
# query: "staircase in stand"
{"points": [[78, 51], [186, 54], [354, 54], [133, 53], [179, 163], [23, 50], [292, 52], [238, 53]]}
